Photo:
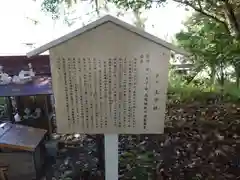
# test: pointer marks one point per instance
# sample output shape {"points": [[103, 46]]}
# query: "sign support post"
{"points": [[111, 156]]}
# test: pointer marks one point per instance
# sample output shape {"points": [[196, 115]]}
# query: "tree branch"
{"points": [[231, 18], [201, 10], [199, 4]]}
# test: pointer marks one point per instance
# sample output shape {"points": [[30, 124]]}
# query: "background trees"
{"points": [[212, 34], [225, 12], [213, 49]]}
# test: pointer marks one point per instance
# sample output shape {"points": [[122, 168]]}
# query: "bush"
{"points": [[200, 90]]}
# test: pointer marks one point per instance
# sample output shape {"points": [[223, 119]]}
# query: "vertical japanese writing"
{"points": [[105, 88], [69, 68], [110, 98], [75, 91], [120, 87], [64, 67], [115, 91], [146, 90], [85, 95], [125, 92], [90, 92], [156, 107], [80, 90], [95, 94], [129, 92], [100, 93], [134, 90]]}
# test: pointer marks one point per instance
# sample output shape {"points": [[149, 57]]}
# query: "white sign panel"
{"points": [[109, 85]]}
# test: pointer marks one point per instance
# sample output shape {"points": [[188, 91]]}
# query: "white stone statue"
{"points": [[17, 118], [4, 77], [27, 112], [24, 76], [37, 113]]}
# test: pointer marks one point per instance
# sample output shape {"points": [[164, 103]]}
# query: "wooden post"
{"points": [[111, 156], [100, 150], [10, 109]]}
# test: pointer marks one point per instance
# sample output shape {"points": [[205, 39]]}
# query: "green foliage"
{"points": [[231, 93], [138, 163], [208, 37], [212, 47], [179, 91], [223, 12], [2, 101], [135, 4], [52, 6]]}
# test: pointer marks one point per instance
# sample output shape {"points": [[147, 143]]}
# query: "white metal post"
{"points": [[111, 156]]}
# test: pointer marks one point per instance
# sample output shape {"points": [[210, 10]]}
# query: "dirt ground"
{"points": [[201, 142]]}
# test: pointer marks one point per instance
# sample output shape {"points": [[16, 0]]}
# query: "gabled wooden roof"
{"points": [[100, 22]]}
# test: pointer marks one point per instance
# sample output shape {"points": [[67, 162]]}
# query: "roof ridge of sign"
{"points": [[99, 22]]}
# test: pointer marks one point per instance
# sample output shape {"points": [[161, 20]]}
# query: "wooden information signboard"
{"points": [[109, 77]]}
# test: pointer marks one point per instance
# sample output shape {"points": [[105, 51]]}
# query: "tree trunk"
{"points": [[222, 79], [212, 76], [238, 80], [139, 21], [231, 19], [237, 73], [222, 75]]}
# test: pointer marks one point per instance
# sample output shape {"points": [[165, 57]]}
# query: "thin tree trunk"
{"points": [[222, 80], [212, 79], [238, 79], [212, 76], [139, 21], [237, 73]]}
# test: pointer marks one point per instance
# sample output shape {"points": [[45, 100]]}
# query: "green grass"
{"points": [[179, 90], [2, 101]]}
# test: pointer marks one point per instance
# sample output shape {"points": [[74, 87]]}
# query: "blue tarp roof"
{"points": [[39, 85]]}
